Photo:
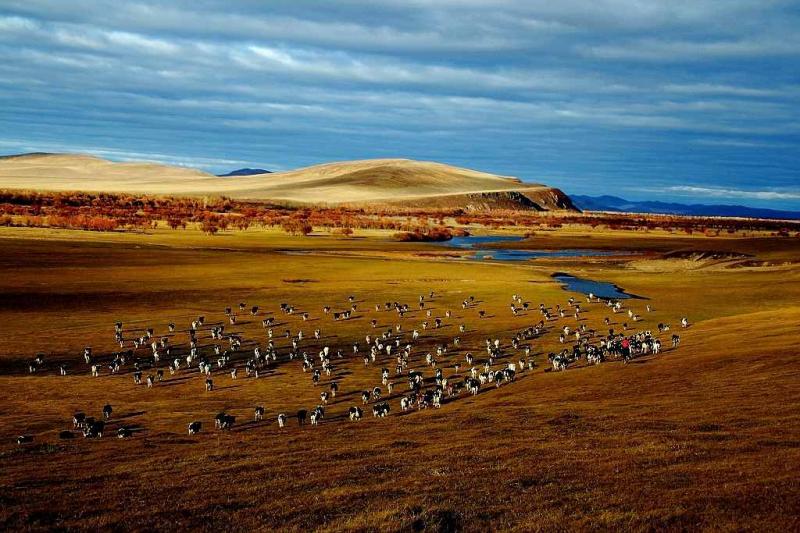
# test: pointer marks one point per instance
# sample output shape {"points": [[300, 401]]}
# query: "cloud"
{"points": [[739, 143], [694, 51], [725, 90], [716, 192]]}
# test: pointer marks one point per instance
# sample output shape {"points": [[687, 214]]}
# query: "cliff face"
{"points": [[502, 200], [533, 199], [551, 198]]}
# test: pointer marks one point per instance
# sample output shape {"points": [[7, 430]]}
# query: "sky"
{"points": [[696, 101]]}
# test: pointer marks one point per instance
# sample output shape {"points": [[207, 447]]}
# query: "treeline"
{"points": [[429, 234], [120, 212], [114, 212], [630, 222]]}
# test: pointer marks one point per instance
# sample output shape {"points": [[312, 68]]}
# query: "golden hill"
{"points": [[382, 181]]}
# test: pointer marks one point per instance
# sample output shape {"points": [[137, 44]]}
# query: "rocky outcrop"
{"points": [[535, 199]]}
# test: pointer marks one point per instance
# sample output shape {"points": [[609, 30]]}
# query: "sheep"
{"points": [[94, 430], [380, 409]]}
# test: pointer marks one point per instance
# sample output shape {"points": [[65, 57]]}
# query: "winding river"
{"points": [[478, 245]]}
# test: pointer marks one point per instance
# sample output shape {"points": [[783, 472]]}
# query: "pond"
{"points": [[478, 243], [601, 289]]}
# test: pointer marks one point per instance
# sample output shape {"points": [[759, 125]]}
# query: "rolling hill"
{"points": [[399, 182]]}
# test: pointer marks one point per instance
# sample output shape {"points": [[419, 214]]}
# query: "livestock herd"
{"points": [[428, 360]]}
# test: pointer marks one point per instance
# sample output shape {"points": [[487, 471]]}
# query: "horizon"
{"points": [[684, 102], [575, 197]]}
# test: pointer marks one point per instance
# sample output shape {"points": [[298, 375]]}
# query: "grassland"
{"points": [[701, 437], [348, 182]]}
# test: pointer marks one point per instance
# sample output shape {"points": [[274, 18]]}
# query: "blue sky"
{"points": [[692, 101]]}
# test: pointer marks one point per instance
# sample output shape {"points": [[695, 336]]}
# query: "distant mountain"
{"points": [[27, 154], [245, 172], [616, 204]]}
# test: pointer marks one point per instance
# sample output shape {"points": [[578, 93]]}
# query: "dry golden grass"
{"points": [[352, 182], [701, 437]]}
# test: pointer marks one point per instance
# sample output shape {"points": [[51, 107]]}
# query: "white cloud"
{"points": [[722, 89], [719, 192], [9, 25], [738, 143], [691, 51]]}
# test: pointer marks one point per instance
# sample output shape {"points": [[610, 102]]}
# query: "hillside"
{"points": [[383, 181]]}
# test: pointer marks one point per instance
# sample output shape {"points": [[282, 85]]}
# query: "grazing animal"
{"points": [[405, 403], [301, 417], [559, 363], [194, 427], [259, 413], [380, 409], [24, 439], [124, 433], [281, 420], [227, 421], [78, 420], [437, 399], [356, 413], [94, 430], [107, 410]]}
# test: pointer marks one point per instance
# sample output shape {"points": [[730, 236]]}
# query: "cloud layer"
{"points": [[612, 96]]}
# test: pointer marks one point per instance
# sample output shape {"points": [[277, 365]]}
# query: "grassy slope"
{"points": [[375, 180], [704, 436]]}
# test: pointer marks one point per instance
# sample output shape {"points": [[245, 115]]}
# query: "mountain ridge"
{"points": [[246, 171], [621, 205]]}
